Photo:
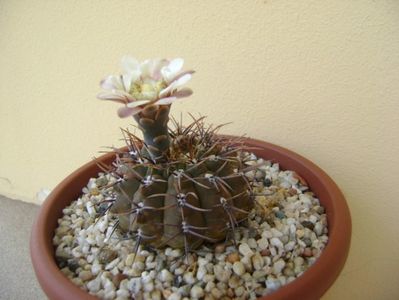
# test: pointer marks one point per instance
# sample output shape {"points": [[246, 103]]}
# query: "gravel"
{"points": [[284, 235]]}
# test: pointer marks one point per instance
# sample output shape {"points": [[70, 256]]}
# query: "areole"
{"points": [[311, 285]]}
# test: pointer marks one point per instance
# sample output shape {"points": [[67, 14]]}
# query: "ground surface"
{"points": [[17, 278]]}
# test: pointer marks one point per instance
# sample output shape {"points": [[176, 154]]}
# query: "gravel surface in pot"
{"points": [[283, 236]]}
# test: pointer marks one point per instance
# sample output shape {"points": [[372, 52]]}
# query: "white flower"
{"points": [[156, 81]]}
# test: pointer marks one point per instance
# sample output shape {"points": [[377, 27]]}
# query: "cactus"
{"points": [[177, 187]]}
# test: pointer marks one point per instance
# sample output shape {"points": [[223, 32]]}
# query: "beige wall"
{"points": [[318, 77]]}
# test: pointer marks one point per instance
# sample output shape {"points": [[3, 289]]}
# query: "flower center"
{"points": [[147, 89]]}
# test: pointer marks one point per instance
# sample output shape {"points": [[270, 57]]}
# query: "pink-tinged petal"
{"points": [[127, 81], [156, 72], [175, 84], [146, 67], [178, 76], [124, 112], [129, 78], [185, 92], [182, 80], [165, 73], [124, 94], [150, 68], [167, 90], [137, 103], [175, 65], [130, 64], [170, 71], [112, 97], [165, 101], [116, 94], [111, 82]]}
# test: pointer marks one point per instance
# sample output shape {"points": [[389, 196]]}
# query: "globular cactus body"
{"points": [[179, 187]]}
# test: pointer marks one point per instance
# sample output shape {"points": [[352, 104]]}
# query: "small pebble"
{"points": [[177, 281], [221, 274], [263, 243], [245, 250], [276, 242], [106, 255], [279, 214], [267, 182], [298, 261], [220, 248], [94, 285], [96, 268], [239, 291], [239, 268], [201, 272], [265, 252], [289, 246], [196, 292], [307, 241], [73, 264], [234, 281], [308, 224], [252, 233], [85, 275], [233, 257], [257, 261], [300, 233], [278, 266], [174, 296], [189, 278], [215, 292], [209, 286], [208, 278], [116, 280], [318, 228], [273, 284], [165, 276], [252, 243], [112, 264], [307, 252], [230, 293], [156, 295]]}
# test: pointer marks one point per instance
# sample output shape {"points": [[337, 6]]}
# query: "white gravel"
{"points": [[285, 233]]}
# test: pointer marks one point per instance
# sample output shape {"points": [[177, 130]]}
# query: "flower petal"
{"points": [[116, 94], [182, 80], [111, 82], [175, 65], [158, 65], [175, 84], [165, 101], [130, 64], [146, 67], [167, 90], [185, 92], [111, 97], [124, 112], [137, 103], [169, 72], [129, 78], [127, 81], [181, 74], [150, 68]]}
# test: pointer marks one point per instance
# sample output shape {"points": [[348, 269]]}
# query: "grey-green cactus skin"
{"points": [[179, 187]]}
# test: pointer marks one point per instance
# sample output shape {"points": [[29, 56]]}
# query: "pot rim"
{"points": [[312, 284]]}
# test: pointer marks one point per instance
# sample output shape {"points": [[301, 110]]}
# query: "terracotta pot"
{"points": [[311, 285]]}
